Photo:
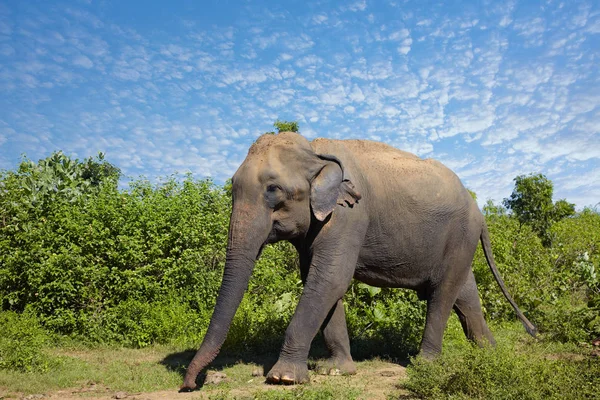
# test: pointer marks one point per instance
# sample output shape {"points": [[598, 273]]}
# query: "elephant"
{"points": [[352, 209]]}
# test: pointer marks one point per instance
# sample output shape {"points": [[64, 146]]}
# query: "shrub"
{"points": [[21, 343], [504, 373], [383, 321], [524, 265], [75, 263]]}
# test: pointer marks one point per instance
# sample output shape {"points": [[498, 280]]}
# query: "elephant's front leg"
{"points": [[328, 279], [335, 333]]}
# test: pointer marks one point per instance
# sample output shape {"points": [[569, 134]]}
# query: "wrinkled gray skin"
{"points": [[353, 209]]}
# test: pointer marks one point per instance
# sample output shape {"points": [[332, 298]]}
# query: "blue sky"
{"points": [[491, 89]]}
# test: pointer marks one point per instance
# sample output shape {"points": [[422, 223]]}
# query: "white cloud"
{"points": [[5, 29], [126, 73], [505, 21], [358, 5], [264, 42], [319, 19], [308, 60], [83, 61], [531, 30], [334, 96], [404, 49], [400, 34], [356, 95], [469, 121]]}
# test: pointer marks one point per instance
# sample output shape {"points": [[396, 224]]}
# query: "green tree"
{"points": [[286, 126], [563, 209], [490, 209], [531, 203], [61, 178]]}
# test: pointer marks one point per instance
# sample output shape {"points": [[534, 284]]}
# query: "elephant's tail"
{"points": [[487, 250]]}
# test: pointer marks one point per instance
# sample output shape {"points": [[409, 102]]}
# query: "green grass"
{"points": [[118, 369], [520, 367]]}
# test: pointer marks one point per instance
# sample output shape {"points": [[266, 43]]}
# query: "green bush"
{"points": [[524, 265], [21, 343], [383, 321], [505, 372], [557, 287], [76, 260], [575, 313], [136, 323]]}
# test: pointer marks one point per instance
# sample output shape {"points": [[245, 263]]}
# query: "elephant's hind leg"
{"points": [[439, 306], [336, 337], [468, 309], [443, 295]]}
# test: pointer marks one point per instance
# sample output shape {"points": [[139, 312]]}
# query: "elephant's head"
{"points": [[280, 188]]}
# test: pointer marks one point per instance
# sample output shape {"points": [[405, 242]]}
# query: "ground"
{"points": [[155, 373]]}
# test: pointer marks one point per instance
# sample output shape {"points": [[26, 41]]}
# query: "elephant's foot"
{"points": [[336, 366], [288, 373], [428, 353]]}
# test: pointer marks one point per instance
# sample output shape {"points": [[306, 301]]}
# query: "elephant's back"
{"points": [[388, 167], [391, 179], [361, 148]]}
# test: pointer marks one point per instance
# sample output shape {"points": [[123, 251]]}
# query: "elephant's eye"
{"points": [[272, 188], [273, 195]]}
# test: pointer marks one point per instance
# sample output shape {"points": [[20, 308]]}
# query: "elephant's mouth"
{"points": [[262, 246], [276, 233]]}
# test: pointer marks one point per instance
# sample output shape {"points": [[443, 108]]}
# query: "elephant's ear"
{"points": [[329, 188]]}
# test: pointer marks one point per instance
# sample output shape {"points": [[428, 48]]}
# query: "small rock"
{"points": [[257, 372], [120, 395], [213, 378], [34, 396], [90, 388]]}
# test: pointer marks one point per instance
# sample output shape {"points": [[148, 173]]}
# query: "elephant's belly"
{"points": [[400, 272], [404, 258]]}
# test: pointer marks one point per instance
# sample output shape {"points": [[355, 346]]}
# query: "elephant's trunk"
{"points": [[247, 234]]}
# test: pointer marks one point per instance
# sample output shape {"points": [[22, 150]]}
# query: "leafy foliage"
{"points": [[383, 321], [531, 202], [286, 126], [556, 286], [510, 371], [21, 343], [575, 312], [491, 210]]}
